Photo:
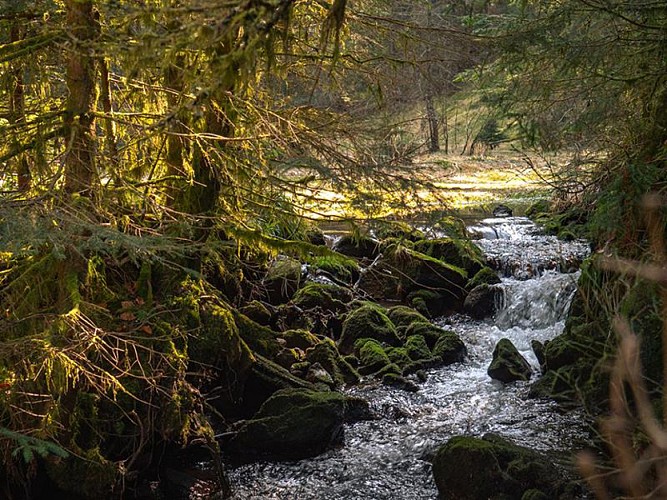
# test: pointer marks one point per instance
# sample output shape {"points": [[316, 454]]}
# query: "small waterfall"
{"points": [[518, 248]]}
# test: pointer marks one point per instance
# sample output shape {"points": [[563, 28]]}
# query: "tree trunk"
{"points": [[17, 109], [175, 159], [80, 172], [109, 126], [433, 129]]}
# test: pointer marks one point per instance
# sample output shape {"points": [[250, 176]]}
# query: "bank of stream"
{"points": [[389, 457]]}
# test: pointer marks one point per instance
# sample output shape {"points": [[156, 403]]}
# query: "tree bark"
{"points": [[107, 107], [80, 143], [17, 109], [432, 119]]}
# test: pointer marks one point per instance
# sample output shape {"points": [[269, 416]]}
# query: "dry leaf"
{"points": [[127, 316], [146, 329], [127, 304]]}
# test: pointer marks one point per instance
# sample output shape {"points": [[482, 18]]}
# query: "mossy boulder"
{"points": [[399, 356], [429, 331], [403, 316], [416, 348], [381, 281], [257, 312], [357, 246], [431, 304], [398, 230], [485, 276], [327, 296], [326, 354], [291, 425], [491, 467], [367, 321], [508, 365], [301, 339], [449, 348], [260, 339], [338, 267], [282, 279], [482, 301], [452, 227], [461, 253], [372, 357]]}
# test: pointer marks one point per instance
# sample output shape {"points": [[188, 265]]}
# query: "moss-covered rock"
{"points": [[357, 246], [450, 348], [470, 468], [367, 321], [416, 348], [257, 312], [429, 331], [292, 424], [380, 281], [301, 339], [287, 357], [372, 357], [508, 365], [398, 230], [485, 276], [403, 316], [260, 339], [291, 317], [282, 279], [399, 356], [461, 253], [337, 266], [430, 304], [327, 296], [88, 476], [453, 227], [482, 301], [326, 354]]}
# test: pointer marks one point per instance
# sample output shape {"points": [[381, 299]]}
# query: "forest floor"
{"points": [[455, 184]]}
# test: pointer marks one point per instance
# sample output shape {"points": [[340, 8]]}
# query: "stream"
{"points": [[388, 458]]}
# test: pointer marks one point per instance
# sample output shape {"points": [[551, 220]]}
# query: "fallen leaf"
{"points": [[128, 316]]}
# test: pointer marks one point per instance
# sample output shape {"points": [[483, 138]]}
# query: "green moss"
{"points": [[398, 230], [340, 267], [485, 276], [508, 364], [403, 316], [449, 348], [370, 321], [453, 227], [399, 381], [329, 297], [291, 424], [257, 312], [398, 356], [87, 474], [326, 354], [372, 357], [301, 339], [260, 339], [429, 331], [282, 279], [461, 253], [144, 283], [416, 348]]}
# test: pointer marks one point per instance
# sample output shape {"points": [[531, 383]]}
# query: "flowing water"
{"points": [[388, 458]]}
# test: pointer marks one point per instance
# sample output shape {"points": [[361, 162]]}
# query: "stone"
{"points": [[372, 356], [491, 467], [508, 365], [482, 301], [328, 296], [399, 382], [326, 354], [450, 348], [282, 279], [290, 425], [502, 211], [367, 321], [485, 276], [357, 246], [318, 375], [258, 312], [416, 348]]}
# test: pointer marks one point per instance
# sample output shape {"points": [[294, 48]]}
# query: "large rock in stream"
{"points": [[291, 425], [508, 365], [491, 467]]}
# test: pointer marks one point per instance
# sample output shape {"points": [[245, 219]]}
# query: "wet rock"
{"points": [[357, 246], [458, 252], [372, 356], [450, 348], [403, 317], [416, 348], [287, 357], [538, 349], [380, 281], [258, 312], [502, 211], [282, 279], [399, 382], [326, 354], [329, 297], [508, 365], [399, 356], [470, 468], [318, 375], [482, 301], [292, 424], [367, 321], [485, 276], [301, 339]]}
